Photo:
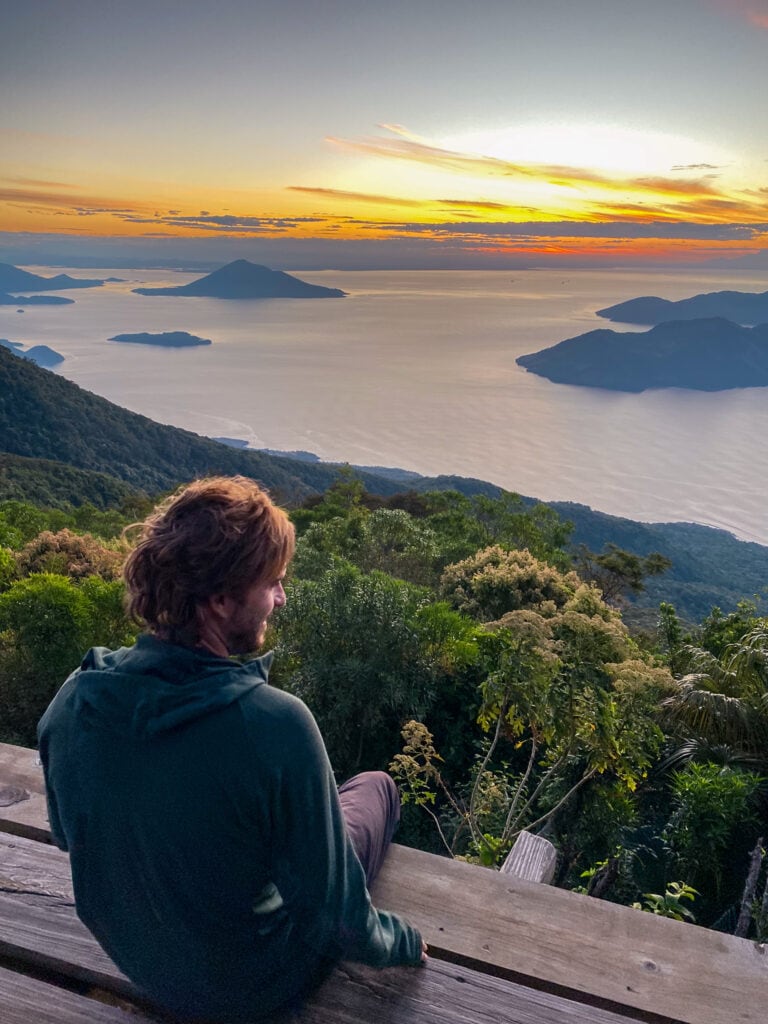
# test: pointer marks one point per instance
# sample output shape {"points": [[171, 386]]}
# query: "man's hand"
{"points": [[424, 951]]}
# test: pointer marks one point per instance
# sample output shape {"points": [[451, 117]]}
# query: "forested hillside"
{"points": [[65, 446], [45, 416], [58, 485]]}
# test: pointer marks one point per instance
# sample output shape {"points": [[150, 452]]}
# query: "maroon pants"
{"points": [[371, 807]]}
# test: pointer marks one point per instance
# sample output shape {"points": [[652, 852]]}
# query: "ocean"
{"points": [[417, 370]]}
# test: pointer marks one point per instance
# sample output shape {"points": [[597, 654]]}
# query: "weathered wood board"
{"points": [[38, 926], [23, 809], [24, 1000], [531, 857], [575, 944]]}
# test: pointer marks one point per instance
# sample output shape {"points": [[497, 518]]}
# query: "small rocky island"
{"points": [[245, 280], [710, 354], [741, 307], [165, 339]]}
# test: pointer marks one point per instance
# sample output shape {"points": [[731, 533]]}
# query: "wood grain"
{"points": [[27, 816], [438, 993], [24, 1000], [577, 945]]}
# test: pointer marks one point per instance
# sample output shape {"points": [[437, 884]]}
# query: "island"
{"points": [[34, 300], [165, 339], [747, 308], [40, 354], [711, 354], [245, 280], [12, 279]]}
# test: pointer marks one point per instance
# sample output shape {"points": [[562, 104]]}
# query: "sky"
{"points": [[412, 132]]}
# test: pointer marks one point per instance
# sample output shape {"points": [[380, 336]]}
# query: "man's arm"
{"points": [[316, 869]]}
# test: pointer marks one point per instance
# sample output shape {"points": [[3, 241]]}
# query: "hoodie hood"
{"points": [[155, 686]]}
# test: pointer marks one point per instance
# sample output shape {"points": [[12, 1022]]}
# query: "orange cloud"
{"points": [[362, 197], [406, 147], [62, 200]]}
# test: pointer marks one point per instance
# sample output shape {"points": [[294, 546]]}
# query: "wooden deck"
{"points": [[501, 949]]}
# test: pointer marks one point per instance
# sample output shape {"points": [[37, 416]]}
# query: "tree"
{"points": [[566, 697], [495, 581], [47, 623], [353, 647], [388, 540], [719, 710], [618, 573], [68, 554]]}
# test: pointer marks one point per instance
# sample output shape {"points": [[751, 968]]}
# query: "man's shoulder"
{"points": [[277, 713]]}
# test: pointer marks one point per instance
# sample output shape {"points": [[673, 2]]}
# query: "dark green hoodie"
{"points": [[209, 855]]}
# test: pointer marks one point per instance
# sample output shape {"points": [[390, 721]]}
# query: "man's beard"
{"points": [[246, 640]]}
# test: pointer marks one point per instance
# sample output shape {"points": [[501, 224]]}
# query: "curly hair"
{"points": [[216, 536]]}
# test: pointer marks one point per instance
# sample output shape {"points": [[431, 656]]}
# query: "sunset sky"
{"points": [[602, 130]]}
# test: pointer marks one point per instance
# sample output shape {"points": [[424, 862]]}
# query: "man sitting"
{"points": [[209, 848]]}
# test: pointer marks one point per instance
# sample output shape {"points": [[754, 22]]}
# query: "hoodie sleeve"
{"points": [[316, 868], [53, 714]]}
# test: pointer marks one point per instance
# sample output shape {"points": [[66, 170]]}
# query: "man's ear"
{"points": [[218, 607]]}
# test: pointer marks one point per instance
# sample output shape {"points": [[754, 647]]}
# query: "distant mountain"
{"points": [[14, 280], [741, 307], [703, 355], [45, 416], [245, 280], [710, 567], [34, 300], [166, 339], [40, 354]]}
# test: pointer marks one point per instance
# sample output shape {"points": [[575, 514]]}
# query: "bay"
{"points": [[417, 370]]}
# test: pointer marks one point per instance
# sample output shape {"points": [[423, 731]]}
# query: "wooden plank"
{"points": [[23, 810], [439, 993], [574, 944], [571, 944], [38, 926], [532, 857], [24, 999]]}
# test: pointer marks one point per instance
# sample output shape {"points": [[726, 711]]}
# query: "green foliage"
{"points": [[723, 702], [7, 568], [21, 522], [719, 631], [566, 697], [463, 525], [616, 572], [355, 647], [47, 622], [495, 581], [710, 804], [388, 540], [68, 554], [57, 485], [712, 827], [670, 904]]}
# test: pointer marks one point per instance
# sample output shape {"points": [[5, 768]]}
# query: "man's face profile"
{"points": [[238, 625]]}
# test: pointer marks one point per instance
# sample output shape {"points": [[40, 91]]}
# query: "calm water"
{"points": [[418, 370]]}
